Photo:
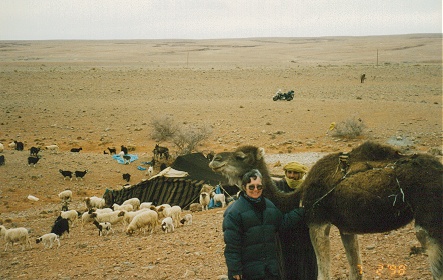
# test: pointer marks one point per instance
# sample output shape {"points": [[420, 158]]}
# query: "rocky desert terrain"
{"points": [[100, 94]]}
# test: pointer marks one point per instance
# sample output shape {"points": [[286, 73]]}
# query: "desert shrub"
{"points": [[184, 136], [164, 128], [350, 128]]}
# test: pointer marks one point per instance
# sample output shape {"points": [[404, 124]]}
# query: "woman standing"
{"points": [[250, 226]]}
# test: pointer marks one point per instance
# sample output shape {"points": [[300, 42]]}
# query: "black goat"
{"points": [[127, 177], [19, 146], [76, 150], [34, 151], [66, 174], [112, 151], [80, 174], [33, 160], [2, 160], [60, 226]]}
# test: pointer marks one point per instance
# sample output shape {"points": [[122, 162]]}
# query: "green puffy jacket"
{"points": [[250, 236]]}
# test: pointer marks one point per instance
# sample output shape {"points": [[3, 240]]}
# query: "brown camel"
{"points": [[371, 189]]}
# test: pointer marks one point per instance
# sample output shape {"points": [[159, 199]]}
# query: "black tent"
{"points": [[181, 191]]}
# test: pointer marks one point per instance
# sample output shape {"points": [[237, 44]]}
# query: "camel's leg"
{"points": [[350, 242], [434, 249], [320, 241]]}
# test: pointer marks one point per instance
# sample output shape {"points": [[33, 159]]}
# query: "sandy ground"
{"points": [[99, 94]]}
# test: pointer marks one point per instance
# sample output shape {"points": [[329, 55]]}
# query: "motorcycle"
{"points": [[288, 96]]}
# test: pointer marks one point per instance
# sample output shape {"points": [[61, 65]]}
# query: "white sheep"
{"points": [[146, 220], [187, 219], [145, 205], [125, 207], [135, 202], [103, 228], [70, 215], [15, 235], [1, 148], [204, 200], [86, 218], [150, 171], [173, 212], [11, 145], [167, 225], [95, 202], [103, 210], [113, 218], [219, 197], [65, 195], [48, 240], [52, 148]]}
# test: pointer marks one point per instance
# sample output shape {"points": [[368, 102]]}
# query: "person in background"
{"points": [[298, 254], [250, 227]]}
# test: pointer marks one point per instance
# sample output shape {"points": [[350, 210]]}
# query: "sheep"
{"points": [[2, 160], [204, 200], [219, 197], [34, 151], [48, 240], [150, 171], [113, 217], [173, 212], [86, 218], [167, 225], [103, 228], [76, 150], [1, 148], [70, 215], [11, 145], [65, 195], [126, 177], [66, 174], [53, 148], [61, 225], [33, 160], [145, 220], [112, 151], [12, 235], [187, 220], [19, 146], [135, 202], [145, 205], [103, 210], [80, 174], [126, 207], [95, 202]]}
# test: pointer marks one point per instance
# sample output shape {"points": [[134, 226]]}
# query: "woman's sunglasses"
{"points": [[252, 187]]}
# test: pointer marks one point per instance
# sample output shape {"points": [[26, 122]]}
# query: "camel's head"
{"points": [[234, 164]]}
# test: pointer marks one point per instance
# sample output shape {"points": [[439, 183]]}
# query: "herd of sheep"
{"points": [[132, 215]]}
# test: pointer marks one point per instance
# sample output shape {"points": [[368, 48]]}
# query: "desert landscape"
{"points": [[100, 94]]}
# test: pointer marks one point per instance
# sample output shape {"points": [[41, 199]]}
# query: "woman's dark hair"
{"points": [[254, 174]]}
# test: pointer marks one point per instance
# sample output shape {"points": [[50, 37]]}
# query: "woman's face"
{"points": [[254, 193]]}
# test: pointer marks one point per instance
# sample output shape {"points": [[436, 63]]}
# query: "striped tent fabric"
{"points": [[159, 190]]}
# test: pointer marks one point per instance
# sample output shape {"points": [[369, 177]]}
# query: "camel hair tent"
{"points": [[172, 187]]}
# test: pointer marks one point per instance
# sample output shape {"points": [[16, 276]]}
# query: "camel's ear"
{"points": [[240, 154], [260, 153]]}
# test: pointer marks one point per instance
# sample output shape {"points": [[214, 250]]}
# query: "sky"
{"points": [[214, 19]]}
